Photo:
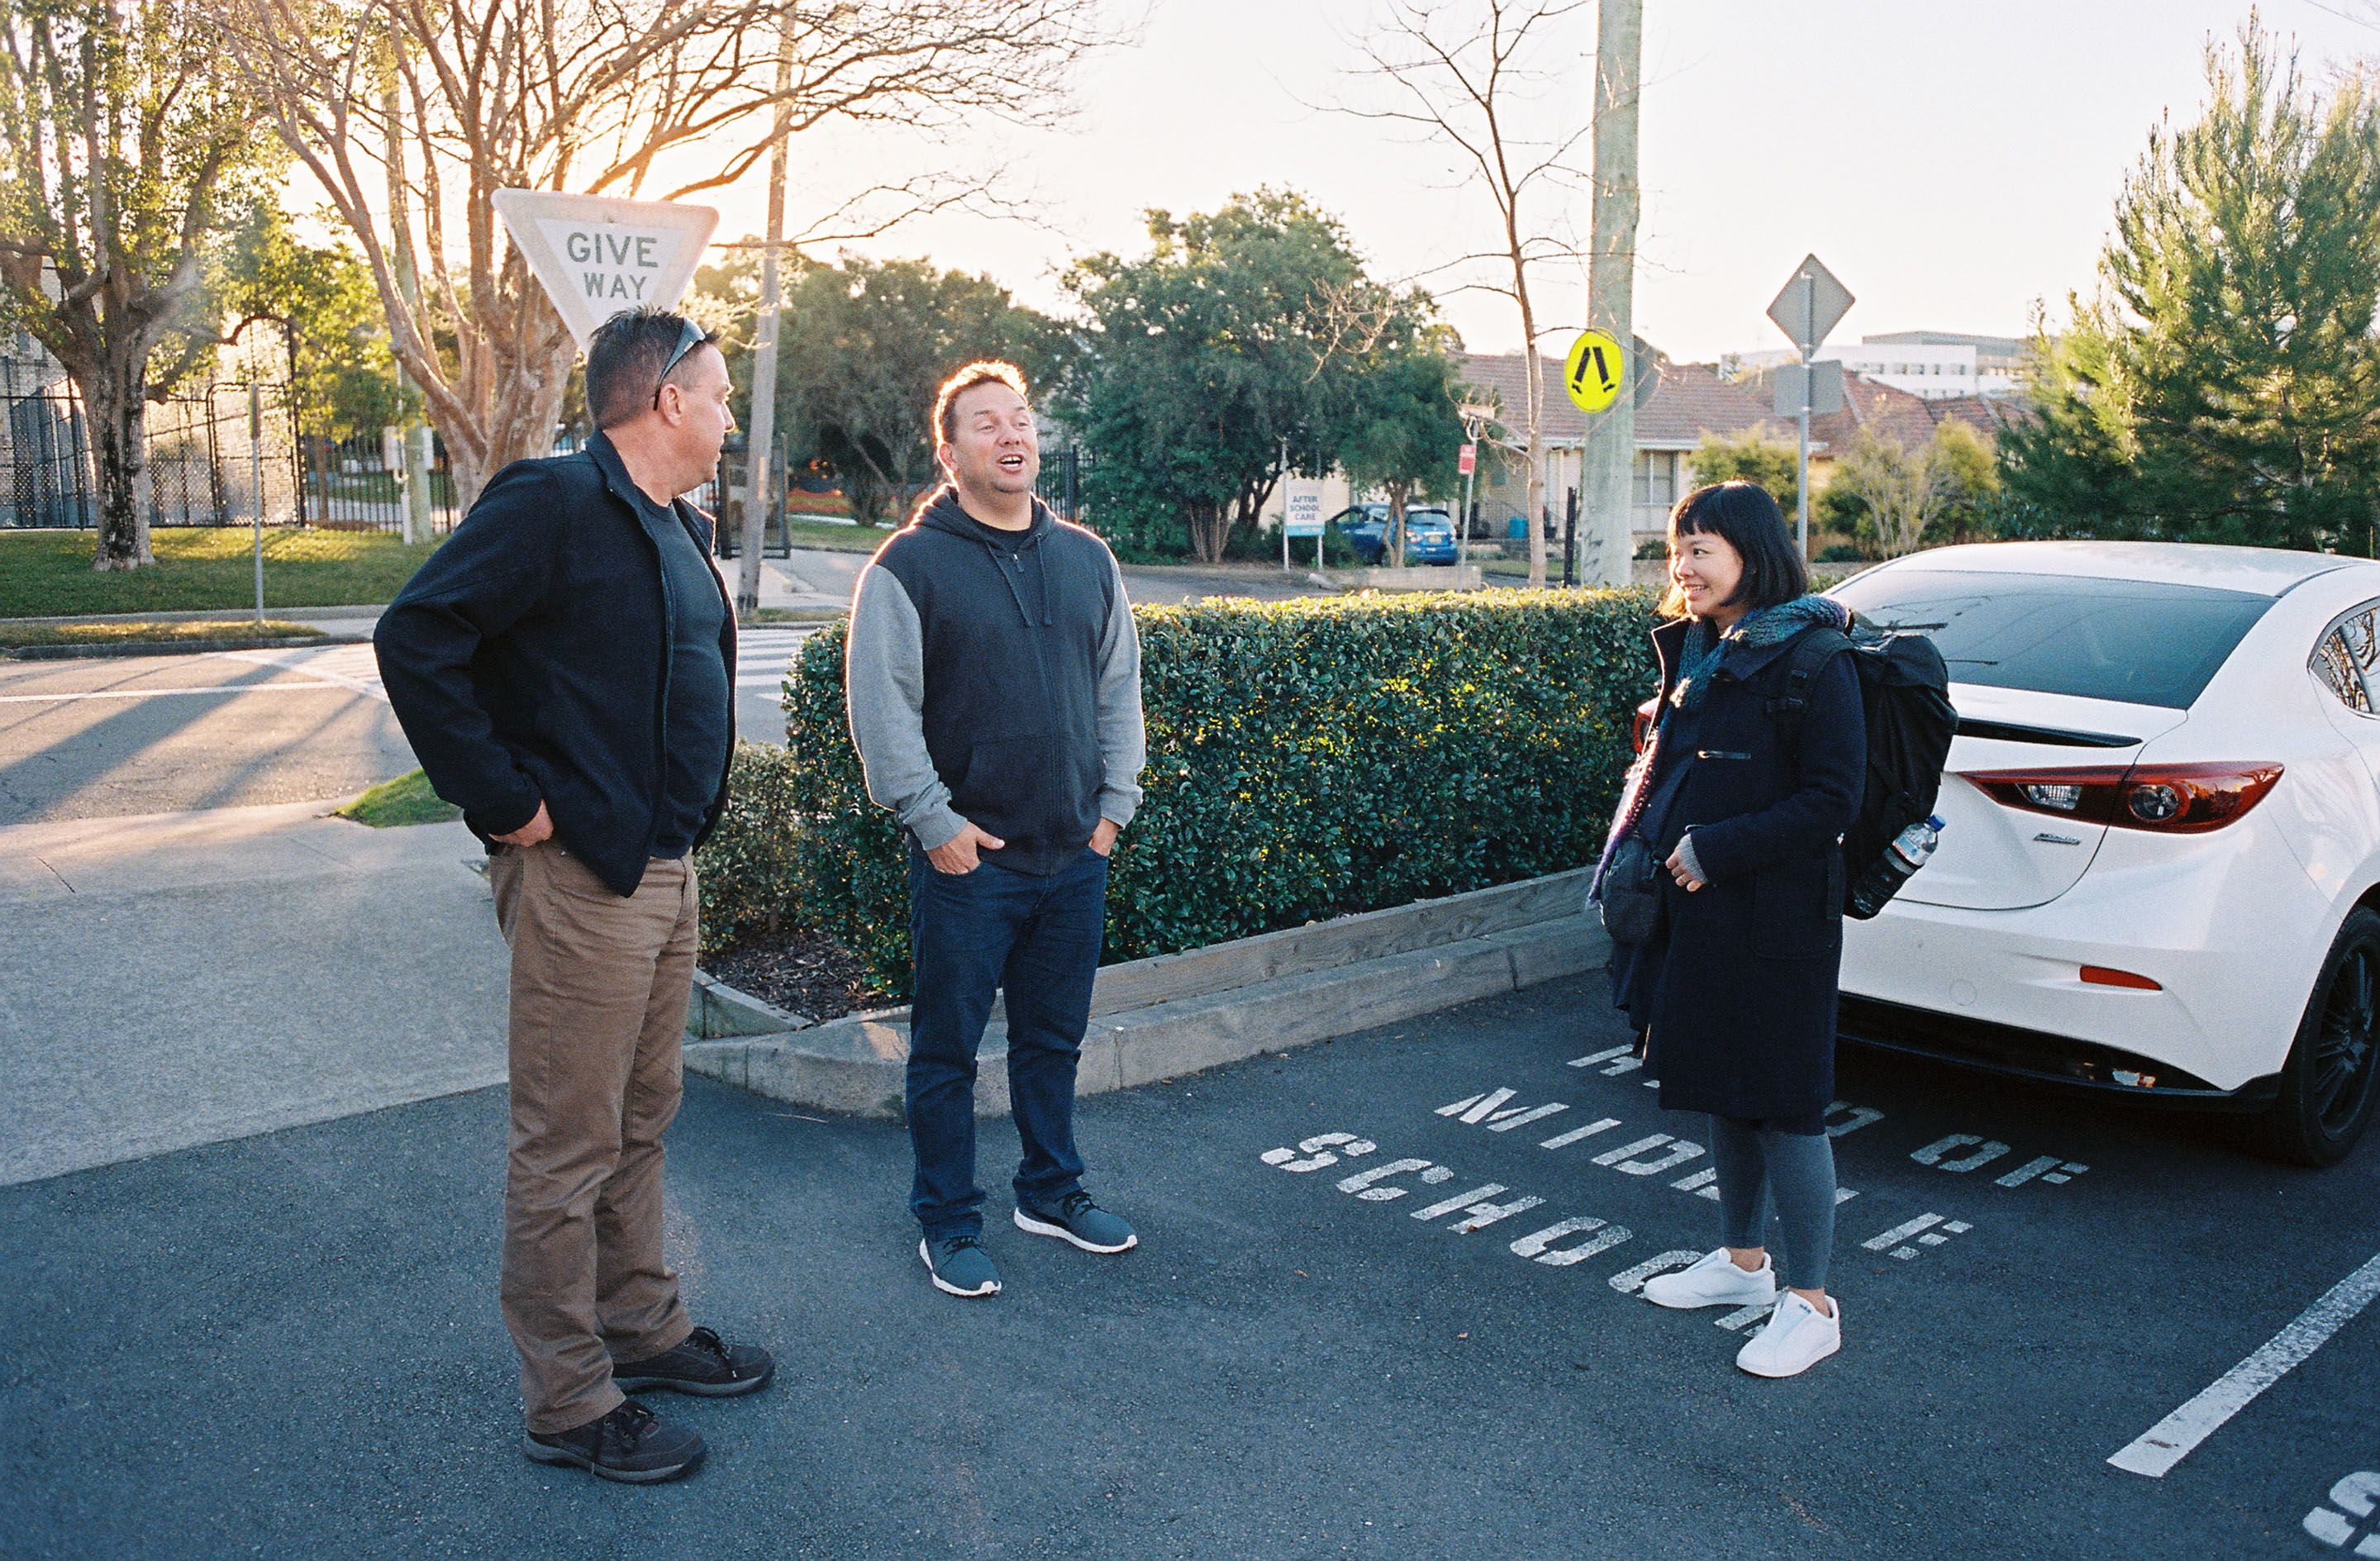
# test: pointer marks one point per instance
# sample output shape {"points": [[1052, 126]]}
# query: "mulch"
{"points": [[806, 971]]}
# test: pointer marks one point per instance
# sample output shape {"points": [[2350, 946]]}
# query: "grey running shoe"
{"points": [[704, 1364], [1081, 1221], [959, 1264], [631, 1445]]}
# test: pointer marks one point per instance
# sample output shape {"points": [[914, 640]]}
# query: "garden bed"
{"points": [[804, 971]]}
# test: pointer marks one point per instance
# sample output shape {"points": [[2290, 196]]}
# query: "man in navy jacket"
{"points": [[565, 670]]}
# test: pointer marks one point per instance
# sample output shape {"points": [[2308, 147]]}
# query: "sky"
{"points": [[1954, 164]]}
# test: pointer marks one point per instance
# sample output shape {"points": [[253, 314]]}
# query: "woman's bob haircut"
{"points": [[1743, 515]]}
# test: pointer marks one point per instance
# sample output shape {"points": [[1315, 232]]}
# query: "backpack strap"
{"points": [[1811, 654]]}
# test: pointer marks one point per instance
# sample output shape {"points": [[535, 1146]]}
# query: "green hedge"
{"points": [[750, 867], [1307, 759]]}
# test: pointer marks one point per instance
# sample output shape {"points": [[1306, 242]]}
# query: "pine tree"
{"points": [[2224, 385]]}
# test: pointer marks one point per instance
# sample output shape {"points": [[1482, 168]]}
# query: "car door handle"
{"points": [[1717, 754]]}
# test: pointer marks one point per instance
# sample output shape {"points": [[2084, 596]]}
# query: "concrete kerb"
{"points": [[1163, 1018], [1426, 578], [355, 629]]}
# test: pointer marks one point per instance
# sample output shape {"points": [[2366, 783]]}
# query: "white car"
{"points": [[2160, 871]]}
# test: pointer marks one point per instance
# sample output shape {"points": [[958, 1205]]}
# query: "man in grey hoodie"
{"points": [[992, 682]]}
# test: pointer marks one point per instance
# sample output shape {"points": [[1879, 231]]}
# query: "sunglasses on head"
{"points": [[690, 336]]}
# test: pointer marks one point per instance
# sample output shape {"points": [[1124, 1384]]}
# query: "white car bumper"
{"points": [[2228, 926]]}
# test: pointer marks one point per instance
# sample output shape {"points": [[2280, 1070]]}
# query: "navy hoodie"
{"points": [[993, 677]]}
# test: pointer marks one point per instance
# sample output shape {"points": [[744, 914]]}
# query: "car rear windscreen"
{"points": [[2130, 640]]}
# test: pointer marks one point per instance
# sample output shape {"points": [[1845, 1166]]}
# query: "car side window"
{"points": [[2348, 659]]}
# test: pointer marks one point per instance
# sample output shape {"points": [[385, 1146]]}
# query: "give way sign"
{"points": [[597, 256]]}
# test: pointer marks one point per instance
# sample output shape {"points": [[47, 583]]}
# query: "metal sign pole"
{"points": [[1475, 418], [1802, 467], [1462, 534], [1801, 471], [1807, 314], [1285, 508], [256, 473]]}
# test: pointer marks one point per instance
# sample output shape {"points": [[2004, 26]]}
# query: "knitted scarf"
{"points": [[1696, 663], [1768, 625]]}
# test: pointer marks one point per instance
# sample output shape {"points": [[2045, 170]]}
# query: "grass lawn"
{"points": [[148, 633], [405, 800], [847, 538], [48, 573]]}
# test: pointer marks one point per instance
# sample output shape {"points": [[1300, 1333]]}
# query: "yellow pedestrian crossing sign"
{"points": [[1595, 371]]}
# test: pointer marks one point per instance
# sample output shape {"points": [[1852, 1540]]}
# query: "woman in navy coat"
{"points": [[1736, 990]]}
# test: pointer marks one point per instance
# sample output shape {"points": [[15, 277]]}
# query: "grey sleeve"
{"points": [[1689, 861], [884, 697], [1124, 739]]}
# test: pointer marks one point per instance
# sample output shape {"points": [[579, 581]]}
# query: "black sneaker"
{"points": [[703, 1364], [1078, 1220], [959, 1264], [631, 1445]]}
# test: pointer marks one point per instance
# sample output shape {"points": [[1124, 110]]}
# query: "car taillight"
{"points": [[2179, 799], [1645, 713]]}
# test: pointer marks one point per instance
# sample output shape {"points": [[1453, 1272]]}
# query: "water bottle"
{"points": [[1908, 852]]}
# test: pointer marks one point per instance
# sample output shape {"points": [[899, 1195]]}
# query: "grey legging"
{"points": [[1758, 1162]]}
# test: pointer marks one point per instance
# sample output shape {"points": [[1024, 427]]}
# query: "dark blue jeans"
{"points": [[1036, 941]]}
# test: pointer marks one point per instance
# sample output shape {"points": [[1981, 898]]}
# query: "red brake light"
{"points": [[2175, 799], [1645, 713]]}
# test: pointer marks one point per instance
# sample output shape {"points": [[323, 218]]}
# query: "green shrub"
{"points": [[1307, 759], [749, 868]]}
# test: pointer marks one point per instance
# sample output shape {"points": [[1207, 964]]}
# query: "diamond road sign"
{"points": [[597, 256], [1812, 304]]}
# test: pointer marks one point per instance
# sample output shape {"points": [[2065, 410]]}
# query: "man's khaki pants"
{"points": [[598, 996]]}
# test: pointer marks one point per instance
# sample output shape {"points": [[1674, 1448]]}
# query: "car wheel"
{"points": [[2332, 1079]]}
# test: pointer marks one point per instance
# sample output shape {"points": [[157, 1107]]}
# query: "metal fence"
{"points": [[203, 465], [1061, 487], [47, 452], [359, 484], [209, 465], [204, 469]]}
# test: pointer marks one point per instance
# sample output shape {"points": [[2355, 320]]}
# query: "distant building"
{"points": [[1934, 365]]}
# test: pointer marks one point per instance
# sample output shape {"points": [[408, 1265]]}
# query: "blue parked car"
{"points": [[1430, 533]]}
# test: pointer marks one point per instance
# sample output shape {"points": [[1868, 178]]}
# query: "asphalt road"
{"points": [[100, 739], [96, 739], [832, 573], [288, 1345], [167, 734]]}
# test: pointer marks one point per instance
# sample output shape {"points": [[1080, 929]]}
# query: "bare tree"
{"points": [[1466, 75], [599, 97], [119, 140]]}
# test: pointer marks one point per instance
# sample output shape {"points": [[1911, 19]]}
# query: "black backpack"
{"points": [[1905, 692]]}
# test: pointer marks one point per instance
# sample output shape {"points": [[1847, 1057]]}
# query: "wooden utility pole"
{"points": [[760, 442], [1607, 480]]}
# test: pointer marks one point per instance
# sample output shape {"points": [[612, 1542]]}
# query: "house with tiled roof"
{"points": [[1683, 403], [1885, 411], [1889, 413]]}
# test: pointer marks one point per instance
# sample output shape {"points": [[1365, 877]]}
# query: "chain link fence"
{"points": [[359, 484], [212, 459]]}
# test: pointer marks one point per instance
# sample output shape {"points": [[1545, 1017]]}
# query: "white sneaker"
{"points": [[1715, 1280], [1798, 1336]]}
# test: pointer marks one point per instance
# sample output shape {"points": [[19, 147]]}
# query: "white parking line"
{"points": [[2171, 1439]]}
